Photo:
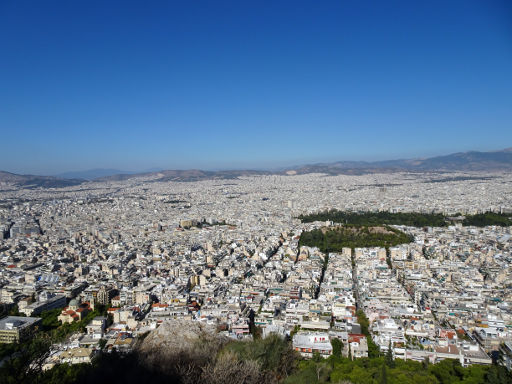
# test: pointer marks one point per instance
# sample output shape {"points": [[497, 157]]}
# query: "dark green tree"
{"points": [[14, 311], [102, 343], [390, 362], [384, 375], [316, 357], [337, 347], [497, 374]]}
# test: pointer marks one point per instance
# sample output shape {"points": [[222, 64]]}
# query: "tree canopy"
{"points": [[411, 219], [353, 236]]}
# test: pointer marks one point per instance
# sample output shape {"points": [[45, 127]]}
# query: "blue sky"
{"points": [[260, 84]]}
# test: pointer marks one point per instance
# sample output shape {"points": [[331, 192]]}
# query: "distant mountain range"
{"points": [[462, 161], [92, 174], [34, 181]]}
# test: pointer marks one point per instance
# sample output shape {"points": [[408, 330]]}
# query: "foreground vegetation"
{"points": [[379, 370], [214, 361], [412, 219], [352, 236], [269, 360]]}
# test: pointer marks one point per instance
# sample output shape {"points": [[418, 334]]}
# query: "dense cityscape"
{"points": [[121, 258]]}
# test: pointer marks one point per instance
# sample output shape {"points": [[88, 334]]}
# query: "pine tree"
{"points": [[389, 356], [384, 375], [337, 347]]}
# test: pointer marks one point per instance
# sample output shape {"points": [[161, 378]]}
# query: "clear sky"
{"points": [[195, 84]]}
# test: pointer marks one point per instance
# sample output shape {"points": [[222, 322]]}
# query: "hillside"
{"points": [[465, 161], [34, 181], [462, 161]]}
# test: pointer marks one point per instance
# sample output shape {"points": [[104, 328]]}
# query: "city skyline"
{"points": [[230, 86]]}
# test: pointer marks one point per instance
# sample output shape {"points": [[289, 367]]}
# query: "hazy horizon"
{"points": [[237, 166]]}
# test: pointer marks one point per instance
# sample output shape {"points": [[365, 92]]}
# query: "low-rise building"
{"points": [[312, 342]]}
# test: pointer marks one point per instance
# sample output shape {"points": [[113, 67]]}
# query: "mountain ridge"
{"points": [[91, 174], [500, 160], [35, 181]]}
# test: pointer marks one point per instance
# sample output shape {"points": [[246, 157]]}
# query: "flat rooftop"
{"points": [[14, 322]]}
